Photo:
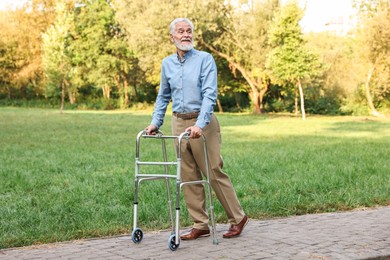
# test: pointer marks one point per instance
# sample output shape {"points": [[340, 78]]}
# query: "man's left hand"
{"points": [[195, 131]]}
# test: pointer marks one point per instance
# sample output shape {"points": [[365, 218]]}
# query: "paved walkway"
{"points": [[361, 234]]}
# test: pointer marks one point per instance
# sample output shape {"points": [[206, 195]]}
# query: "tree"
{"points": [[8, 54], [239, 34], [341, 66], [100, 51], [374, 36], [21, 32], [147, 28], [336, 87], [290, 61], [56, 59]]}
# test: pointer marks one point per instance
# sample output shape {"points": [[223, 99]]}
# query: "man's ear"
{"points": [[171, 36]]}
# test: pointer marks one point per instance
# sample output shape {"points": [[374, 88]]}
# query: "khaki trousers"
{"points": [[193, 164]]}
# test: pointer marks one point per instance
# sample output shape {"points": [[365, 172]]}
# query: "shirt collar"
{"points": [[187, 55]]}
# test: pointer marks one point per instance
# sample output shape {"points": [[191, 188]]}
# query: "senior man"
{"points": [[189, 79]]}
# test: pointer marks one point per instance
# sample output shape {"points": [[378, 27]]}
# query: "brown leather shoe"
{"points": [[235, 230], [194, 233]]}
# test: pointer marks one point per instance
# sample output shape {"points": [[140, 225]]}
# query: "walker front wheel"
{"points": [[172, 244], [137, 235]]}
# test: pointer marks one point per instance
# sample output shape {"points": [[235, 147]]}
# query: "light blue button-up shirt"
{"points": [[190, 83]]}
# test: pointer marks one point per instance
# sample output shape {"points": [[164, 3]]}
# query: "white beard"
{"points": [[186, 47]]}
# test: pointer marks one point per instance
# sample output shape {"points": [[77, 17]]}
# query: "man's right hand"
{"points": [[151, 130]]}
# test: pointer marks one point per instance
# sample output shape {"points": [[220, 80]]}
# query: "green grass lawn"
{"points": [[69, 176]]}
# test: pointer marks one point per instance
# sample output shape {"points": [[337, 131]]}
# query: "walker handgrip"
{"points": [[154, 132], [185, 135]]}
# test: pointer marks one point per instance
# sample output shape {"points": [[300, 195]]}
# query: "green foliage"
{"points": [[324, 105], [113, 50], [290, 60], [373, 35], [99, 47], [21, 31], [56, 61], [239, 34], [7, 61], [146, 24]]}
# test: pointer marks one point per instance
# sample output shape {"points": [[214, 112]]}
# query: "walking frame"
{"points": [[174, 239]]}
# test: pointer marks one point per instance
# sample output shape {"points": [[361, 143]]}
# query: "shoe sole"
{"points": [[205, 235]]}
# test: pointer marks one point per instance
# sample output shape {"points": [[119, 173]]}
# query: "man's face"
{"points": [[182, 37]]}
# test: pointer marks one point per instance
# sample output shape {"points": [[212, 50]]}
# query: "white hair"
{"points": [[177, 20]]}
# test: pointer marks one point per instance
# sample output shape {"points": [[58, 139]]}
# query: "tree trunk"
{"points": [[71, 95], [9, 95], [302, 100], [254, 96], [62, 96], [219, 106], [262, 93], [126, 90], [136, 99], [374, 112], [120, 90], [106, 91], [296, 102], [237, 102], [127, 100], [253, 93]]}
